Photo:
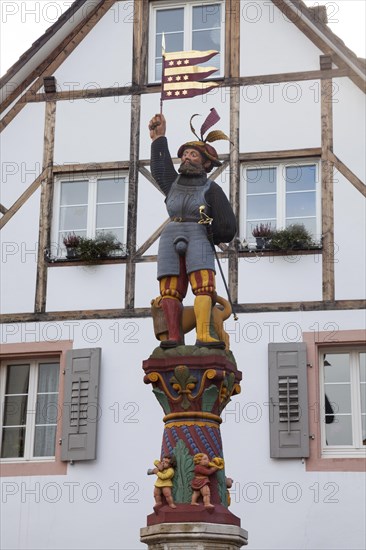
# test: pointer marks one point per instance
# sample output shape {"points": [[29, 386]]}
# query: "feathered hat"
{"points": [[206, 150]]}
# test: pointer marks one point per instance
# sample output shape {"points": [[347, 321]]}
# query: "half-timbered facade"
{"points": [[79, 427]]}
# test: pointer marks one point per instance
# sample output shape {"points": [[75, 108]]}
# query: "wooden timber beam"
{"points": [[49, 66], [45, 213], [150, 241], [90, 167], [139, 63], [336, 305], [347, 173], [327, 199], [233, 268], [22, 199], [257, 80]]}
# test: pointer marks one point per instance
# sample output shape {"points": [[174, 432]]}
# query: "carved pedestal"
{"points": [[194, 536], [193, 386]]}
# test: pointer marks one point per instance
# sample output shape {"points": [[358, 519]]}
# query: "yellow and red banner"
{"points": [[182, 75]]}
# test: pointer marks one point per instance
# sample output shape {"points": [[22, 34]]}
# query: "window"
{"points": [[343, 392], [89, 204], [29, 393], [336, 361], [186, 26], [281, 195]]}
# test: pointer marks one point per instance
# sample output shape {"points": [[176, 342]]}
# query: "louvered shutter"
{"points": [[288, 400], [80, 409]]}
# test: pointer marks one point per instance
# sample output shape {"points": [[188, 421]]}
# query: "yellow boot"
{"points": [[202, 311]]}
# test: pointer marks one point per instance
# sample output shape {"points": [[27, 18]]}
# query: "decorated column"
{"points": [[193, 384]]}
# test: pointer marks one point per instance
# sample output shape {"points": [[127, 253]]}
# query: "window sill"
{"points": [[272, 252], [62, 262], [33, 468]]}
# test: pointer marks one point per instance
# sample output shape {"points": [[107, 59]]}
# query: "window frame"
{"points": [[92, 178], [281, 193], [30, 423], [316, 341], [187, 36], [33, 351], [356, 449]]}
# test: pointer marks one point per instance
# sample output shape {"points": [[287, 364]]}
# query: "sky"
{"points": [[23, 21]]}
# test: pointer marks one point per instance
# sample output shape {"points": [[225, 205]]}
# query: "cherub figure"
{"points": [[164, 469], [201, 482]]}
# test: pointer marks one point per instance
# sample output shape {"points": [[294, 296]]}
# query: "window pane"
{"points": [[13, 443], [158, 70], [74, 192], [339, 396], [15, 410], [340, 431], [173, 43], [47, 408], [300, 178], [73, 218], [169, 20], [44, 441], [206, 40], [111, 190], [261, 180], [48, 377], [309, 223], [300, 204], [362, 356], [17, 379], [118, 232], [336, 367], [110, 215], [207, 16], [261, 207]]}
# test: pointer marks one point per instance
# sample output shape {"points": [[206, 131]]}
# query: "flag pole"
{"points": [[162, 71]]}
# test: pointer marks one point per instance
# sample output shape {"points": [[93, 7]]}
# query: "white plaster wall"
{"points": [[271, 44], [19, 248], [349, 125], [73, 288], [279, 278], [21, 150], [113, 495], [21, 162], [151, 212], [94, 130], [178, 114], [349, 239], [104, 57], [280, 116]]}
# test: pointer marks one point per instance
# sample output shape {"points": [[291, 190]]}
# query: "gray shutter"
{"points": [[288, 400], [80, 408]]}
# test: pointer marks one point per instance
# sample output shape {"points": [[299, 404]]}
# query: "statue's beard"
{"points": [[189, 168]]}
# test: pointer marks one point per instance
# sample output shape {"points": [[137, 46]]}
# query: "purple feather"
{"points": [[212, 118]]}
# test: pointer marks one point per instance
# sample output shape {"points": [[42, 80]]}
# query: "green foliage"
{"points": [[184, 473], [163, 400], [100, 247], [209, 397], [294, 236], [221, 486]]}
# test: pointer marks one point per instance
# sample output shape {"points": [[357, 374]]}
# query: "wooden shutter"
{"points": [[288, 400], [80, 409]]}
